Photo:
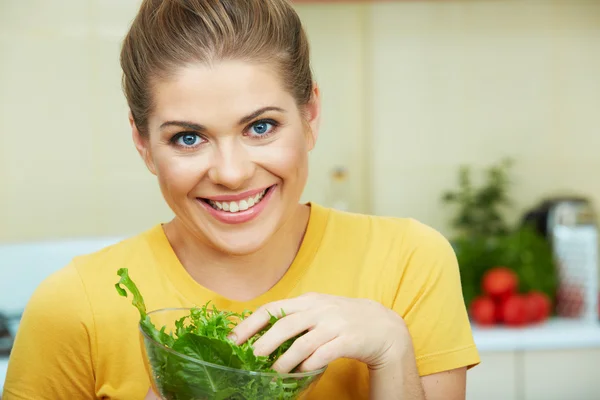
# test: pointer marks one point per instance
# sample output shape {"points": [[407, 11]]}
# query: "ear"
{"points": [[313, 116], [142, 144]]}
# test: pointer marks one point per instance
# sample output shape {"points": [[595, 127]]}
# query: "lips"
{"points": [[237, 209], [236, 206]]}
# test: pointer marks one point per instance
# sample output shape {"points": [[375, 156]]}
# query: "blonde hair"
{"points": [[167, 34]]}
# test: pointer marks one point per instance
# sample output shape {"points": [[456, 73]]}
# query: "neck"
{"points": [[239, 277]]}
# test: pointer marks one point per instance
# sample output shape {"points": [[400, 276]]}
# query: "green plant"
{"points": [[203, 335], [523, 250], [480, 209], [484, 239]]}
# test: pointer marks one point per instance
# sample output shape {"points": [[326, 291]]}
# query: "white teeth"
{"points": [[236, 206]]}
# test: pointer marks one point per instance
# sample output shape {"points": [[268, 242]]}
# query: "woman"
{"points": [[224, 111]]}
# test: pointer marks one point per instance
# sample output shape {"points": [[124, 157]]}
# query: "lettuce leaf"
{"points": [[203, 335], [138, 302]]}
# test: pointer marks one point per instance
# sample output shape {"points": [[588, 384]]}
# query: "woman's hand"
{"points": [[151, 395], [336, 327]]}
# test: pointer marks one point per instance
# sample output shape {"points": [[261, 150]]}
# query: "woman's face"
{"points": [[230, 149]]}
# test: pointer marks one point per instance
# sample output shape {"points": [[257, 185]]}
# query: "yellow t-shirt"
{"points": [[78, 338]]}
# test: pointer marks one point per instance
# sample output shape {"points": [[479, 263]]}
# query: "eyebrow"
{"points": [[258, 112], [197, 127]]}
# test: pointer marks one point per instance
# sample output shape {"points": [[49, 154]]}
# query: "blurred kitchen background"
{"points": [[440, 110]]}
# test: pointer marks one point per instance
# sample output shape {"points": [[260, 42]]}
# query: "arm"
{"points": [[447, 385], [52, 354], [429, 298], [398, 376], [402, 379], [426, 334]]}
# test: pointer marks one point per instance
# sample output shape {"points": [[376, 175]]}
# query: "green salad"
{"points": [[203, 336]]}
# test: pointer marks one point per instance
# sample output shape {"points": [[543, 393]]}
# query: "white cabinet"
{"points": [[494, 378], [536, 375], [561, 375], [559, 360]]}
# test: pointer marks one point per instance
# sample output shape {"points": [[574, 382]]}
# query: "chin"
{"points": [[243, 239], [240, 245]]}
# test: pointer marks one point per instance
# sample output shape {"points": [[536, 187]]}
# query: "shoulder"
{"points": [[127, 249], [56, 330], [408, 235], [67, 289], [404, 250], [427, 243], [98, 270], [63, 321], [60, 298]]}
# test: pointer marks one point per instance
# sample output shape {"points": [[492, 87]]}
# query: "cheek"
{"points": [[179, 175], [287, 157]]}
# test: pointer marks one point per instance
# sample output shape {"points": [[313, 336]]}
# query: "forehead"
{"points": [[225, 89]]}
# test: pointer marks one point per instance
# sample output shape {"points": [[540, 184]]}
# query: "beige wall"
{"points": [[474, 81], [68, 166], [339, 48], [411, 90]]}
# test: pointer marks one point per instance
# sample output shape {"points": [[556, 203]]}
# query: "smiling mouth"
{"points": [[238, 206]]}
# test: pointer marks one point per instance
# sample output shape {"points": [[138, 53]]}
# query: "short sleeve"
{"points": [[429, 298], [52, 354]]}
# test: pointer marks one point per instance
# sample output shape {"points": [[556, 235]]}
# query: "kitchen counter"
{"points": [[555, 334], [556, 360]]}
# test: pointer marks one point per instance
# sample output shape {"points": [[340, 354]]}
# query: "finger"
{"points": [[325, 354], [284, 329], [303, 348], [261, 317], [151, 395]]}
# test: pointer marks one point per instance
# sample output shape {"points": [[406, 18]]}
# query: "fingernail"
{"points": [[232, 337]]}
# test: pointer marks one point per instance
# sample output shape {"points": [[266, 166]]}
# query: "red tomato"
{"points": [[482, 310], [500, 282], [499, 302], [538, 306], [514, 310]]}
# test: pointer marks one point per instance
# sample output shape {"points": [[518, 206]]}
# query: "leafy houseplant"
{"points": [[480, 209], [484, 239]]}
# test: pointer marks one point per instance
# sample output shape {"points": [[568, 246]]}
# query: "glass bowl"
{"points": [[176, 376]]}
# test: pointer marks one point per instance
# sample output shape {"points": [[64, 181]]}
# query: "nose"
{"points": [[232, 166]]}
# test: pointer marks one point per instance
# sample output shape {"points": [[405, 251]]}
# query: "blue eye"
{"points": [[188, 140], [261, 128]]}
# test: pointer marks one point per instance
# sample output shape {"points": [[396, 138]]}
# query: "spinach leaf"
{"points": [[203, 336], [138, 302]]}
